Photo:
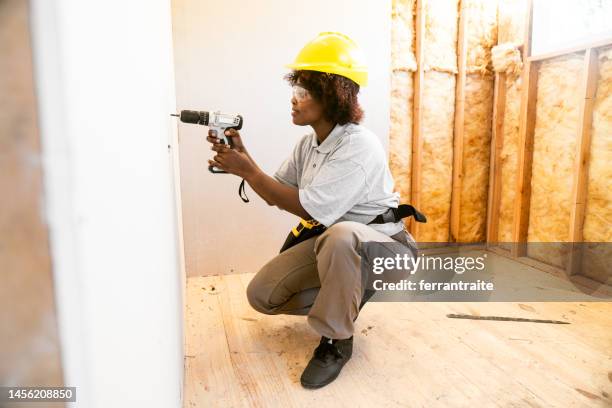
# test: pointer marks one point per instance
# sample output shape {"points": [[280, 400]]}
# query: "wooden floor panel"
{"points": [[405, 354]]}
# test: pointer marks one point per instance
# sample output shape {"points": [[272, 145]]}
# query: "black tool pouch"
{"points": [[311, 228]]}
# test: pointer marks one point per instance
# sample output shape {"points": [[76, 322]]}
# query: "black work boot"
{"points": [[327, 361]]}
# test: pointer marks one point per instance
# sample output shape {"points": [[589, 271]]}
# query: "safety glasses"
{"points": [[300, 93]]}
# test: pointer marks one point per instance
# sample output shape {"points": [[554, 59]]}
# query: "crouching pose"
{"points": [[338, 177]]}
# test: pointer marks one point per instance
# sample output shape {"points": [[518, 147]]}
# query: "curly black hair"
{"points": [[336, 93]]}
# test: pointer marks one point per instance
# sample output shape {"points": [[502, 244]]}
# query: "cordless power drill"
{"points": [[217, 122]]}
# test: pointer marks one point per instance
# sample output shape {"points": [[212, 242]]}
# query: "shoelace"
{"points": [[325, 349]]}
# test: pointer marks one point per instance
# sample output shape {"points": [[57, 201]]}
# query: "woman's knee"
{"points": [[258, 296], [340, 235], [281, 277]]}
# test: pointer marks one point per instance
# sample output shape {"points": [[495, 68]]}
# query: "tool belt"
{"points": [[310, 228]]}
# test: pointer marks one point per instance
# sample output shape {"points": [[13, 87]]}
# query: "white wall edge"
{"points": [[58, 198], [121, 346]]}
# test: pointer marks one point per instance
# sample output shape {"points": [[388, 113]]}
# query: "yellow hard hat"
{"points": [[334, 53]]}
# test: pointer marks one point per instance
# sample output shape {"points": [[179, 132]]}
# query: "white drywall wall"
{"points": [[230, 56], [105, 89]]}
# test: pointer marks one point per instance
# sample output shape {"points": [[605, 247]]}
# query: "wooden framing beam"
{"points": [[571, 50], [588, 88], [457, 183], [527, 117], [417, 125], [526, 131], [497, 143]]}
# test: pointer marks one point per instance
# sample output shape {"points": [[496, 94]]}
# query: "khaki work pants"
{"points": [[320, 277]]}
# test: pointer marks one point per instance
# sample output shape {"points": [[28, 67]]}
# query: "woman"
{"points": [[337, 175]]}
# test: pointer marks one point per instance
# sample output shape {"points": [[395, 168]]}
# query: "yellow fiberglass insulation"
{"points": [[403, 64], [400, 137], [476, 152], [481, 34], [402, 35], [437, 155], [440, 40], [507, 58], [438, 111], [554, 151], [598, 214], [511, 21]]}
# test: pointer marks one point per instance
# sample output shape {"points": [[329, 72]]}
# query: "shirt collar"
{"points": [[330, 140]]}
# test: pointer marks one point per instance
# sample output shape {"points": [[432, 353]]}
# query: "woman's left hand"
{"points": [[231, 160]]}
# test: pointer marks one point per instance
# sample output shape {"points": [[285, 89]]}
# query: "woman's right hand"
{"points": [[230, 134]]}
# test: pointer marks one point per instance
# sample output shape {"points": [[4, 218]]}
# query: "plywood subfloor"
{"points": [[405, 354]]}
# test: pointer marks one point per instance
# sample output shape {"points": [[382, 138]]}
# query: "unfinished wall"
{"points": [[403, 65], [481, 32], [438, 89], [555, 136], [598, 212], [554, 152], [29, 343], [511, 27], [438, 107]]}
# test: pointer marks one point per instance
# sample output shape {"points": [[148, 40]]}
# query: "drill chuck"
{"points": [[196, 117]]}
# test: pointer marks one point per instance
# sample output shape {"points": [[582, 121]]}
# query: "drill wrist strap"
{"points": [[242, 192]]}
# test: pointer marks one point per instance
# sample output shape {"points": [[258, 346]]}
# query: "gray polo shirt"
{"points": [[345, 178]]}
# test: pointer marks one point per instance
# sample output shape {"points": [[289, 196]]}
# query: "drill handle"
{"points": [[220, 132], [230, 141]]}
